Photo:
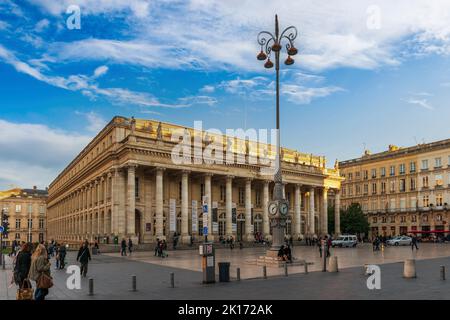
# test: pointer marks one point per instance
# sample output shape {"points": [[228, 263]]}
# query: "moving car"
{"points": [[345, 240], [400, 241]]}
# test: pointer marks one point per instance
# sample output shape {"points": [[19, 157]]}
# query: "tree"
{"points": [[354, 221]]}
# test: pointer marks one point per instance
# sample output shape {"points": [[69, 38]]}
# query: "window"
{"points": [[241, 195], [374, 173], [413, 203], [392, 205], [350, 176], [437, 162], [30, 208], [383, 187], [402, 185], [413, 218], [374, 220], [136, 187], [425, 182], [374, 188], [439, 217], [413, 184], [392, 171], [358, 189], [42, 209], [350, 190], [222, 193], [438, 179], [412, 167], [41, 223], [366, 188], [425, 218], [426, 201], [439, 200], [17, 237], [202, 190], [402, 168], [383, 171], [18, 208], [384, 220], [17, 223], [258, 197], [402, 204], [403, 219], [366, 174], [392, 186], [358, 174], [393, 219], [30, 223], [424, 164]]}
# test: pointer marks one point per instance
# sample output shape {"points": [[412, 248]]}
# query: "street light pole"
{"points": [[279, 206]]}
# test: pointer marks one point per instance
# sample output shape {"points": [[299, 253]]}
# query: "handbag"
{"points": [[44, 282], [26, 291]]}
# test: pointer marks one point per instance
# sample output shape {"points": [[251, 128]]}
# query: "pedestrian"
{"points": [[130, 246], [175, 241], [328, 244], [83, 257], [22, 265], [123, 247], [62, 256], [39, 271], [319, 244], [157, 247], [414, 243], [57, 261]]}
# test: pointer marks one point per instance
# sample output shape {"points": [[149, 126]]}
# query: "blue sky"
{"points": [[368, 74]]}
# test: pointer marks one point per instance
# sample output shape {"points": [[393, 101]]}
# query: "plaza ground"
{"points": [[112, 276]]}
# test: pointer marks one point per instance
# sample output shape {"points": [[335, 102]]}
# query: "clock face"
{"points": [[273, 208], [284, 208]]}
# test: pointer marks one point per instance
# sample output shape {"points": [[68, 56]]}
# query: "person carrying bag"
{"points": [[40, 272], [25, 292]]}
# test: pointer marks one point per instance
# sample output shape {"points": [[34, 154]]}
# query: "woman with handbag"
{"points": [[21, 269], [40, 272]]}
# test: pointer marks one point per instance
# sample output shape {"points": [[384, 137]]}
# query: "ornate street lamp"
{"points": [[279, 206]]}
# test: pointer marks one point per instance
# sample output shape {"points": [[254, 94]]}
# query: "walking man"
{"points": [[414, 243], [83, 257], [123, 247]]}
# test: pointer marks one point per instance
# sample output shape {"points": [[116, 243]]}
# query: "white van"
{"points": [[345, 240]]}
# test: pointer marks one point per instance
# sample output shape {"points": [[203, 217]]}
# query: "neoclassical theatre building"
{"points": [[125, 184]]}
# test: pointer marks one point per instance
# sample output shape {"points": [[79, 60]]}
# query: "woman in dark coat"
{"points": [[23, 263]]}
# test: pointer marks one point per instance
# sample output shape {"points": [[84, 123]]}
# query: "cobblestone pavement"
{"points": [[245, 259], [112, 276]]}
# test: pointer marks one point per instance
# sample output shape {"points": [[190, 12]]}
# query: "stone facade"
{"points": [[27, 214], [402, 189], [125, 184]]}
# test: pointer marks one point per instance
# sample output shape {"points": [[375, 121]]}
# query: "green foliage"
{"points": [[353, 220], [331, 220]]}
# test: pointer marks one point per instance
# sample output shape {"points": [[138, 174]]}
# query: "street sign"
{"points": [[205, 208], [205, 231], [2, 229]]}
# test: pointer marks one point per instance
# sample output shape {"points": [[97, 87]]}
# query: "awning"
{"points": [[429, 231]]}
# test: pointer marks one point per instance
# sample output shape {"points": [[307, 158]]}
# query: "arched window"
{"points": [[222, 224]]}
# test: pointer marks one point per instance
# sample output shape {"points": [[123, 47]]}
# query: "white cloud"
{"points": [[100, 71], [36, 151], [420, 102], [95, 121], [304, 95], [42, 25], [208, 89]]}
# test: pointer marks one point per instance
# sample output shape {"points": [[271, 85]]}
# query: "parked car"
{"points": [[400, 241], [345, 240]]}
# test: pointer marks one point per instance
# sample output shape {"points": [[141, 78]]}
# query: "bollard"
{"points": [[172, 280], [333, 264], [264, 272], [306, 267], [91, 286], [3, 262], [409, 268], [285, 269], [238, 274], [133, 283], [442, 272]]}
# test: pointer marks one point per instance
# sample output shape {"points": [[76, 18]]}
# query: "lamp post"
{"points": [[279, 206]]}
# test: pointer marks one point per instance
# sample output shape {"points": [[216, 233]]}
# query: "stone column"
{"points": [[131, 202], [248, 211], [185, 238], [266, 225], [208, 195], [312, 230], [324, 217], [297, 212], [159, 204], [229, 206], [337, 212]]}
